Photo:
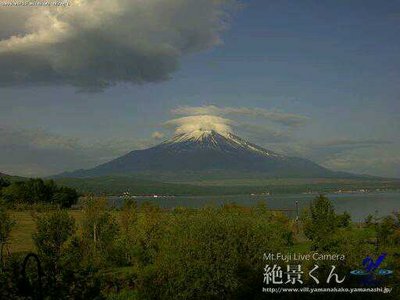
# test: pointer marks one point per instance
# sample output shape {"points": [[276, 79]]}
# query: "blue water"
{"points": [[359, 205]]}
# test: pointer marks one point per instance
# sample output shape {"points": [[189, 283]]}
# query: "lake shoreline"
{"points": [[359, 205]]}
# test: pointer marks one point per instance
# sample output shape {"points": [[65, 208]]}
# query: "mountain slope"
{"points": [[12, 178], [207, 151]]}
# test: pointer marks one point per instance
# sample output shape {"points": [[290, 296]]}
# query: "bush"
{"points": [[212, 253], [388, 231], [6, 225], [53, 230]]}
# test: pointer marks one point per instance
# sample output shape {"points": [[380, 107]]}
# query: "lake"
{"points": [[359, 205]]}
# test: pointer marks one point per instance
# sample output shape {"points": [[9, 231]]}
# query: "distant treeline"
{"points": [[34, 191], [117, 185]]}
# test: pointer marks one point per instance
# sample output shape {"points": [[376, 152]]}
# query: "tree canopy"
{"points": [[37, 191]]}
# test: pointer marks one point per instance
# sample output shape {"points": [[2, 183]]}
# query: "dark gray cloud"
{"points": [[329, 149], [326, 150], [368, 156], [93, 44], [376, 159], [350, 143]]}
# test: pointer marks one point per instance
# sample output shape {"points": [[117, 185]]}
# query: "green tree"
{"points": [[53, 230], [61, 253], [65, 197], [387, 230], [319, 222], [4, 183], [6, 225], [100, 230], [343, 220], [38, 191], [16, 192], [151, 227], [128, 233]]}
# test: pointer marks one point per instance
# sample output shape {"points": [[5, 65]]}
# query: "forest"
{"points": [[100, 252], [36, 191]]}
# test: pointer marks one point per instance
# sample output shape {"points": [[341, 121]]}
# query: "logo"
{"points": [[371, 269]]}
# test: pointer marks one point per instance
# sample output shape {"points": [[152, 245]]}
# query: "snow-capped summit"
{"points": [[195, 135], [206, 151], [210, 139]]}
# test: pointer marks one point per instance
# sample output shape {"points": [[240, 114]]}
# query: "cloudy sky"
{"points": [[84, 83]]}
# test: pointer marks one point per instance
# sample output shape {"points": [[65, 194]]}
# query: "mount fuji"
{"points": [[207, 152]]}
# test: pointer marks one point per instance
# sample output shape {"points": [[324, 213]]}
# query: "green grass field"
{"points": [[21, 235]]}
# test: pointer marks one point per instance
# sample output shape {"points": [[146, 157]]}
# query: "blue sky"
{"points": [[336, 63]]}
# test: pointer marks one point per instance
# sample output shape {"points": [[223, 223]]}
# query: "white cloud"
{"points": [[157, 135], [96, 43], [204, 122], [257, 124], [288, 119]]}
